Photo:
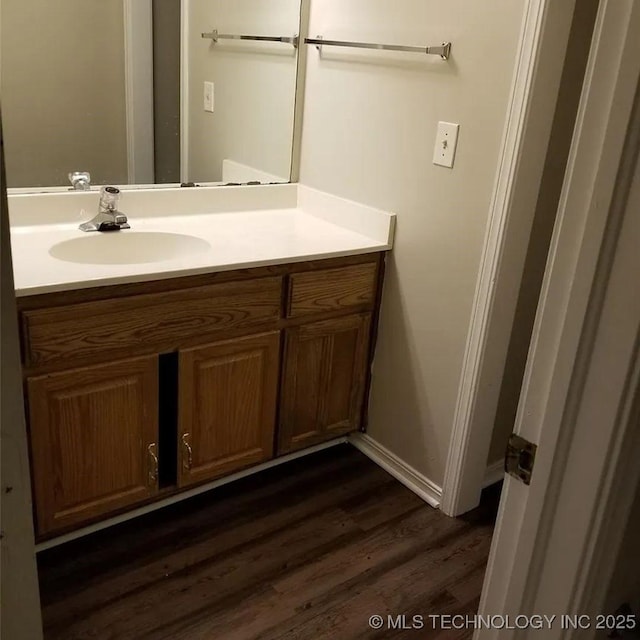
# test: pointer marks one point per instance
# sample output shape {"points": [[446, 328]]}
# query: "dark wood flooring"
{"points": [[308, 550]]}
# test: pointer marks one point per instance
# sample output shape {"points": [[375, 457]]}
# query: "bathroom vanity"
{"points": [[175, 335], [173, 374]]}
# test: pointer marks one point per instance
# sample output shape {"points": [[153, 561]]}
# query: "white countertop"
{"points": [[315, 226]]}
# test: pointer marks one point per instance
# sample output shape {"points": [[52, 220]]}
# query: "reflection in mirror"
{"points": [[132, 93]]}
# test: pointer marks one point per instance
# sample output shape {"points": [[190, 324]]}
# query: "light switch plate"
{"points": [[446, 141], [209, 98]]}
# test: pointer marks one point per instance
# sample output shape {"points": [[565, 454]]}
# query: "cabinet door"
{"points": [[227, 406], [93, 438], [324, 380]]}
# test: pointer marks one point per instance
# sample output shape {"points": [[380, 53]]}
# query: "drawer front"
{"points": [[344, 288], [138, 324]]}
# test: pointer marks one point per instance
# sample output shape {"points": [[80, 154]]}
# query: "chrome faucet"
{"points": [[80, 180], [108, 218]]}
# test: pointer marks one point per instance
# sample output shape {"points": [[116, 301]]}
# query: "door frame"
{"points": [[543, 43], [556, 541], [138, 63], [185, 10]]}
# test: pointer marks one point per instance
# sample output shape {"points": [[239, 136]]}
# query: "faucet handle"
{"points": [[80, 180]]}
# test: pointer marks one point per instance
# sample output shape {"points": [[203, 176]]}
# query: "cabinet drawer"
{"points": [[156, 321], [343, 288]]}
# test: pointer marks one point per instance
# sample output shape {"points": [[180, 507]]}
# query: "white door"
{"points": [[556, 540]]}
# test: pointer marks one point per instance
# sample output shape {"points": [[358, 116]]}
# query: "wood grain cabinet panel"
{"points": [[157, 321], [342, 289], [212, 344], [227, 406], [93, 434], [325, 371]]}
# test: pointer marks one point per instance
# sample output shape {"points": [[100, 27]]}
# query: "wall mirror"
{"points": [[148, 92]]}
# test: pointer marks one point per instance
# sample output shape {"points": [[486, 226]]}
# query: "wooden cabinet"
{"points": [[325, 370], [93, 440], [227, 406], [138, 391], [326, 290], [161, 321]]}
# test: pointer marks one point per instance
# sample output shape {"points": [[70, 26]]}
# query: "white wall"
{"points": [[255, 87], [63, 90], [368, 134]]}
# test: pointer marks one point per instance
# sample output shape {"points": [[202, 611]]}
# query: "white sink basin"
{"points": [[128, 247]]}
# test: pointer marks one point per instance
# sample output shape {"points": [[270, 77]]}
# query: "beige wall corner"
{"points": [[368, 134], [254, 87]]}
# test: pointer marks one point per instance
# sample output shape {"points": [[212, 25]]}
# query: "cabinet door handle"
{"points": [[153, 464], [187, 454]]}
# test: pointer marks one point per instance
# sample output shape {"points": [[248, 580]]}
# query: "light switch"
{"points": [[209, 99], [446, 140]]}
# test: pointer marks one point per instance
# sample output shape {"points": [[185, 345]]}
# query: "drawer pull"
{"points": [[153, 464], [187, 456]]}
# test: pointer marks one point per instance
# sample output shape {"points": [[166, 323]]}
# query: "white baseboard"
{"points": [[493, 474], [429, 491]]}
